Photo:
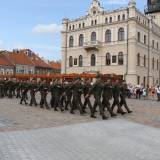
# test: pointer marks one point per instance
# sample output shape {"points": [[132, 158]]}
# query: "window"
{"points": [[138, 80], [93, 60], [119, 17], [83, 25], [108, 59], [80, 61], [73, 27], [71, 41], [110, 20], [80, 25], [120, 58], [138, 59], [144, 61], [123, 17], [70, 27], [93, 36], [108, 36], [139, 37], [106, 20], [75, 62], [70, 61], [157, 64], [157, 46], [92, 22], [114, 59], [145, 39], [121, 34], [152, 63], [81, 40], [152, 43], [95, 22], [144, 81]]}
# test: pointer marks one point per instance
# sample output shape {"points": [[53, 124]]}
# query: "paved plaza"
{"points": [[31, 133]]}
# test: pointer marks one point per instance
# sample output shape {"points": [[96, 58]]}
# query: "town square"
{"points": [[86, 86]]}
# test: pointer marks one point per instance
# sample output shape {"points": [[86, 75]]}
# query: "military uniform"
{"points": [[116, 95], [77, 89], [97, 92], [44, 91], [123, 89], [33, 90], [107, 96]]}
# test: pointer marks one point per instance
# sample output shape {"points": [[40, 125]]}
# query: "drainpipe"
{"points": [[148, 53], [127, 44]]}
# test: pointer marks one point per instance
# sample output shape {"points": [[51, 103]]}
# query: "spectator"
{"points": [[158, 92]]}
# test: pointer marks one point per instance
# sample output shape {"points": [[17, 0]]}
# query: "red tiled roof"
{"points": [[55, 65], [19, 58], [38, 62], [5, 61]]}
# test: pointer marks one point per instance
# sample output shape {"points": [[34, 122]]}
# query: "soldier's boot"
{"points": [[93, 116], [113, 114], [72, 112], [55, 109], [104, 117]]}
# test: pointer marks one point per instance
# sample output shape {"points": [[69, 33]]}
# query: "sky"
{"points": [[36, 24]]}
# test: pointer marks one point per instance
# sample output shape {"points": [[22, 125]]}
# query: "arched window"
{"points": [[70, 61], [145, 39], [139, 37], [108, 59], [152, 63], [93, 36], [106, 20], [123, 17], [81, 40], [95, 22], [93, 60], [80, 61], [108, 36], [120, 58], [110, 20], [71, 41], [157, 64], [121, 34], [119, 17], [138, 59], [144, 61], [92, 22]]}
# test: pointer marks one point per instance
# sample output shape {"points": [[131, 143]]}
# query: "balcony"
{"points": [[92, 45]]}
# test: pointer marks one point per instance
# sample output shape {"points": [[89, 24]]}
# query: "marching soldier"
{"points": [[116, 95], [44, 91], [33, 90], [97, 92], [87, 94], [107, 96], [77, 92], [123, 89]]}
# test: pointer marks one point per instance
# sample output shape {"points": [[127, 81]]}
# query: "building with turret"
{"points": [[123, 41]]}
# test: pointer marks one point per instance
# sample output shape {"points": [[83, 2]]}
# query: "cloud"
{"points": [[47, 29], [117, 2]]}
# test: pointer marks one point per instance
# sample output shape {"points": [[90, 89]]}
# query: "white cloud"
{"points": [[118, 2], [47, 29]]}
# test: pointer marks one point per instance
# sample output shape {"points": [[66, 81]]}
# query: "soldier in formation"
{"points": [[76, 95]]}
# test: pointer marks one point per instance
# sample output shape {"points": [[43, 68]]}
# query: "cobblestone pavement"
{"points": [[14, 116], [115, 139]]}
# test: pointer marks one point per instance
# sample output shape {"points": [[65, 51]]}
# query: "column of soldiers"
{"points": [[72, 96]]}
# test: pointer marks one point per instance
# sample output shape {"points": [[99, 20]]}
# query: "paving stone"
{"points": [[115, 139]]}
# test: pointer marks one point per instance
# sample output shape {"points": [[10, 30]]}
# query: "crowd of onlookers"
{"points": [[141, 92]]}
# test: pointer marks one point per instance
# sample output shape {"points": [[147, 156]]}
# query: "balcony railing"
{"points": [[92, 45]]}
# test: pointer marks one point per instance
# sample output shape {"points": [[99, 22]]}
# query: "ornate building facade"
{"points": [[123, 41]]}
